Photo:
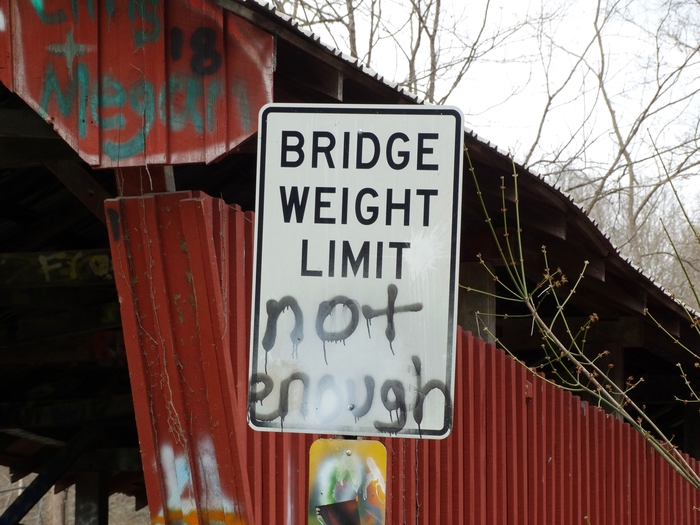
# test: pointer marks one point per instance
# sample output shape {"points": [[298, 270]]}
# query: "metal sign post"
{"points": [[354, 301]]}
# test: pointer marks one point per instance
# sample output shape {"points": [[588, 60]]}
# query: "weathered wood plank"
{"points": [[98, 346], [28, 329], [44, 481], [82, 184], [520, 334], [72, 413], [25, 123]]}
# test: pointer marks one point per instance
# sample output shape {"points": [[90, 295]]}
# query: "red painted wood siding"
{"points": [[129, 83]]}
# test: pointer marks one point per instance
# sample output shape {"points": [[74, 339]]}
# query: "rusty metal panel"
{"points": [[458, 445], [576, 487], [168, 278], [522, 451], [136, 83], [516, 442], [5, 44], [478, 347], [639, 480], [536, 453]]}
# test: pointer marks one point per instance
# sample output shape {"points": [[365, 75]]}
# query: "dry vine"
{"points": [[566, 360]]}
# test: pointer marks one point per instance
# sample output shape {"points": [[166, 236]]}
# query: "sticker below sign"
{"points": [[354, 302], [347, 482]]}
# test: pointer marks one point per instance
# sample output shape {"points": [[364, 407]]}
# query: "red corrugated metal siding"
{"points": [[173, 279], [521, 451]]}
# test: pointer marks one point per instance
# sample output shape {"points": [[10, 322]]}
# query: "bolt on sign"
{"points": [[347, 482], [354, 301]]}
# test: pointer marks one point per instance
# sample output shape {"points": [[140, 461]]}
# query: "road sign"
{"points": [[354, 300]]}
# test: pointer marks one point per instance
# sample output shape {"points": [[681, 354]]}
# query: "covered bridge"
{"points": [[152, 106]]}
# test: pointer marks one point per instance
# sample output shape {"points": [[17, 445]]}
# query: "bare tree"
{"points": [[608, 93], [631, 100], [434, 43]]}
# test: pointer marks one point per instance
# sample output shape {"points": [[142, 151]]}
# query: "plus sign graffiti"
{"points": [[69, 49], [132, 83]]}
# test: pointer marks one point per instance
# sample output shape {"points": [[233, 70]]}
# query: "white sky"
{"points": [[503, 95]]}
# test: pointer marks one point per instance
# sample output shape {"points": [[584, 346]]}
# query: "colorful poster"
{"points": [[347, 482]]}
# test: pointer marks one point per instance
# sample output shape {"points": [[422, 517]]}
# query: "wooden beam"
{"points": [[541, 215], [82, 184], [140, 180], [517, 334], [560, 254], [29, 329], [57, 268], [537, 216], [130, 483], [26, 124], [44, 481], [110, 460], [588, 233], [666, 347], [66, 414], [479, 243], [56, 298], [311, 46], [301, 71], [91, 498], [33, 463], [22, 153], [30, 436], [631, 300], [11, 212], [97, 347]]}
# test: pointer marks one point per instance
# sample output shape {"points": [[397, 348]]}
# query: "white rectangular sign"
{"points": [[355, 282]]}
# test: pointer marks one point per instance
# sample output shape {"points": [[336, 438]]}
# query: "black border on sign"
{"points": [[259, 425]]}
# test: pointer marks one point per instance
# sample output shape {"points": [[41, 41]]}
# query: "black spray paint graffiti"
{"points": [[392, 395], [206, 60], [389, 311], [283, 405], [275, 308], [325, 309]]}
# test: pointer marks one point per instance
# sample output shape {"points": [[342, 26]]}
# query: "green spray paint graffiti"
{"points": [[76, 90], [141, 98], [118, 90], [109, 101], [149, 16]]}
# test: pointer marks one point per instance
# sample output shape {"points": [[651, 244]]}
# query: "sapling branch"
{"points": [[565, 358]]}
